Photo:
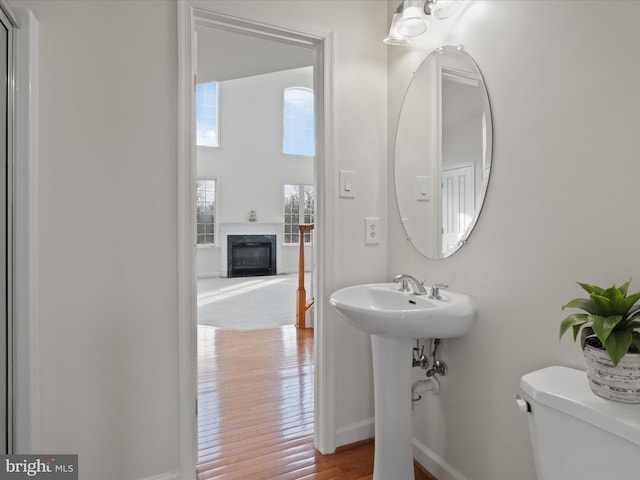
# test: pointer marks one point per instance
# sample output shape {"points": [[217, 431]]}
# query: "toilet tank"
{"points": [[577, 435]]}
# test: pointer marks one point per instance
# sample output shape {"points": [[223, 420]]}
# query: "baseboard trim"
{"points": [[223, 274], [433, 463], [204, 275], [355, 432]]}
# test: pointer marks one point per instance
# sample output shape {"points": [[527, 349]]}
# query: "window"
{"points": [[207, 114], [206, 211], [299, 208], [298, 122]]}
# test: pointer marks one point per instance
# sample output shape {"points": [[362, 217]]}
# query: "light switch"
{"points": [[423, 189], [347, 184]]}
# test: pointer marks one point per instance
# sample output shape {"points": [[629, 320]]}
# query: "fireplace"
{"points": [[251, 255]]}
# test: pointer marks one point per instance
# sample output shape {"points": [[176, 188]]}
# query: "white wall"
{"points": [[107, 235], [561, 207], [108, 209], [249, 165]]}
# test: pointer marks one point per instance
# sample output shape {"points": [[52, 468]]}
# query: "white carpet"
{"points": [[246, 303]]}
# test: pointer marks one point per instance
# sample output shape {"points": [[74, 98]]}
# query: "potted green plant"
{"points": [[610, 338]]}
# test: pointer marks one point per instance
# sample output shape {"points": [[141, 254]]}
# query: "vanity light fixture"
{"points": [[413, 22], [410, 18], [395, 37]]}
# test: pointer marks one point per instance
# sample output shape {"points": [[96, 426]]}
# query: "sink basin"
{"points": [[382, 309], [395, 319]]}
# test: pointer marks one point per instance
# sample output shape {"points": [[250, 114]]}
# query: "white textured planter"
{"points": [[621, 383]]}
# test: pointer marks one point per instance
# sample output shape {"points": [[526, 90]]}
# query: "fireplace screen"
{"points": [[249, 255]]}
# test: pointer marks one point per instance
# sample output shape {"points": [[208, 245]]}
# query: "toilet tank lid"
{"points": [[567, 390]]}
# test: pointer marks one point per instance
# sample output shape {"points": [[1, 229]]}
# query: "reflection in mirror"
{"points": [[443, 152]]}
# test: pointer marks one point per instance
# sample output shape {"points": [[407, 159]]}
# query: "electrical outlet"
{"points": [[372, 230]]}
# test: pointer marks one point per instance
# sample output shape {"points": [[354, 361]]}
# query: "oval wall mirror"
{"points": [[443, 152]]}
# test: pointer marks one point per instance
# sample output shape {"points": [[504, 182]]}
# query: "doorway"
{"points": [[190, 18]]}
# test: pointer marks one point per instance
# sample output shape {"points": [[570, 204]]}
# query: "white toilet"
{"points": [[574, 433]]}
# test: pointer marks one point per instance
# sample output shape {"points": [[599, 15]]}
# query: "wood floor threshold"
{"points": [[256, 412]]}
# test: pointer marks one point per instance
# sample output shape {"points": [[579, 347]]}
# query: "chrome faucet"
{"points": [[404, 280]]}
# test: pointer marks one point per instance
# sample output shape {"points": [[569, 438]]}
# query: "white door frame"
{"points": [[190, 13], [24, 417]]}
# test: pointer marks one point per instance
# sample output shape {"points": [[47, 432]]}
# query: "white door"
{"points": [[458, 204]]}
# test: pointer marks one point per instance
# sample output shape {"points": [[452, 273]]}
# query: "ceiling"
{"points": [[226, 55]]}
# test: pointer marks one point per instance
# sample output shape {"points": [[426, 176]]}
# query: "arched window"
{"points": [[298, 122]]}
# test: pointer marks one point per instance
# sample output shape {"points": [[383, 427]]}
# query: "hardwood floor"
{"points": [[255, 418]]}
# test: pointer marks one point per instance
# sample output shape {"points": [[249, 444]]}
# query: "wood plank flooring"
{"points": [[256, 416]]}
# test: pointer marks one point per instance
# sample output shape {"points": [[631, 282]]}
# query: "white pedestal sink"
{"points": [[395, 320]]}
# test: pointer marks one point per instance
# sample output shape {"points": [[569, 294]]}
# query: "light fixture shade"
{"points": [[413, 20], [394, 37], [445, 8]]}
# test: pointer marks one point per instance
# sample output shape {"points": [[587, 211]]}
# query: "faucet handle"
{"points": [[435, 290]]}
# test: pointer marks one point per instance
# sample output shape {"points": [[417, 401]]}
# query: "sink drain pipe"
{"points": [[431, 384], [438, 367]]}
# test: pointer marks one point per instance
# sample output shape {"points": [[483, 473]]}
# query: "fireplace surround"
{"points": [[251, 255]]}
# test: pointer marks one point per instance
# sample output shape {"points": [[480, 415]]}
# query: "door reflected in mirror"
{"points": [[443, 152]]}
